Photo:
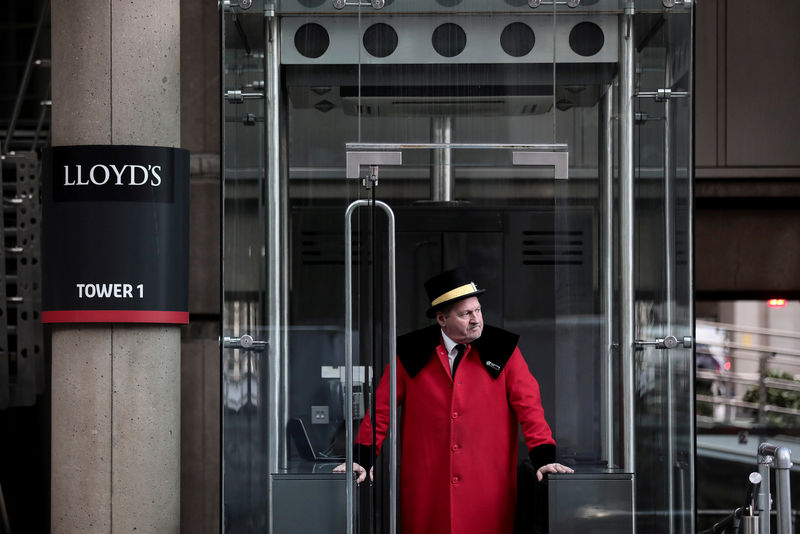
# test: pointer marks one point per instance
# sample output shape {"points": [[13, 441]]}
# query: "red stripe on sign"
{"points": [[115, 316]]}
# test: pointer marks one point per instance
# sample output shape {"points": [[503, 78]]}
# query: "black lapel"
{"points": [[495, 347], [415, 348]]}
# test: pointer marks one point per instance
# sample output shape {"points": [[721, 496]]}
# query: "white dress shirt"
{"points": [[450, 347]]}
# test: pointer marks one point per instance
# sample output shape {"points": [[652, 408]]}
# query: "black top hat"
{"points": [[449, 287]]}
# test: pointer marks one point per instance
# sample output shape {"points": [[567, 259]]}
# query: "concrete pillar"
{"points": [[116, 388]]}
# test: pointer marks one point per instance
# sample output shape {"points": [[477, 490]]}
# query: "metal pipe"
{"points": [[762, 389], [285, 272], [669, 274], [26, 76], [764, 459], [752, 330], [273, 286], [783, 490], [607, 137], [690, 271], [442, 177], [750, 524], [626, 121]]}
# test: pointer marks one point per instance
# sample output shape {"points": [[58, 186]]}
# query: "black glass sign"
{"points": [[115, 234]]}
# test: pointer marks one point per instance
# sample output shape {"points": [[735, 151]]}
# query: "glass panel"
{"points": [[244, 372], [456, 73], [586, 367], [664, 415]]}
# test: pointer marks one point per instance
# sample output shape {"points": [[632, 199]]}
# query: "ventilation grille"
{"points": [[551, 247], [424, 106], [325, 248]]}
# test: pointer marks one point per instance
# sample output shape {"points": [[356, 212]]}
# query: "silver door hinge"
{"points": [[668, 342], [246, 342], [237, 96], [662, 95]]}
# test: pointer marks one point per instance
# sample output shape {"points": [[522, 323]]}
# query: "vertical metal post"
{"points": [[607, 152], [764, 504], [690, 364], [626, 116], [781, 459], [277, 390], [348, 358], [762, 388], [285, 273], [442, 169], [669, 273], [783, 490]]}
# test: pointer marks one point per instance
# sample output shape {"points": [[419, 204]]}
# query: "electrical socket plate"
{"points": [[319, 415]]}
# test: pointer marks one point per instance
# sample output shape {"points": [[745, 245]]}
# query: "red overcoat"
{"points": [[458, 468]]}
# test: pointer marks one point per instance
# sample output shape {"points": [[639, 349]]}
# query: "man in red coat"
{"points": [[464, 388]]}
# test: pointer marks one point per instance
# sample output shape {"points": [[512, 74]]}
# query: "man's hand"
{"points": [[551, 468], [358, 470]]}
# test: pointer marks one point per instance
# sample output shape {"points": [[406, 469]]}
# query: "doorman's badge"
{"points": [[493, 366]]}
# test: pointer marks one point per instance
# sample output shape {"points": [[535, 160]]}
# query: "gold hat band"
{"points": [[455, 293]]}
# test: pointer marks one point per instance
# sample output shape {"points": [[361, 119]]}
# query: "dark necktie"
{"points": [[459, 354]]}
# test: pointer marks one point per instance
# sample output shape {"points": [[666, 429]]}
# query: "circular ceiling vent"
{"points": [[380, 40], [448, 3], [586, 39], [449, 39], [311, 40], [517, 39]]}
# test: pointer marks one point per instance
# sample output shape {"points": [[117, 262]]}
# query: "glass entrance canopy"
{"points": [[368, 146]]}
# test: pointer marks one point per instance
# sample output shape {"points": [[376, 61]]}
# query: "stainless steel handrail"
{"points": [[755, 348], [392, 332], [779, 458], [744, 404], [750, 329], [749, 379]]}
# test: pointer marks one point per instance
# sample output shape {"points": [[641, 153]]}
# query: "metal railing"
{"points": [[744, 367], [756, 514]]}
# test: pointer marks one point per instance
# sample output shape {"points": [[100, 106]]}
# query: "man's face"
{"points": [[464, 322]]}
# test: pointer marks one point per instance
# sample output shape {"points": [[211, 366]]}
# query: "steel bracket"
{"points": [[558, 160], [245, 342], [668, 342], [355, 160]]}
